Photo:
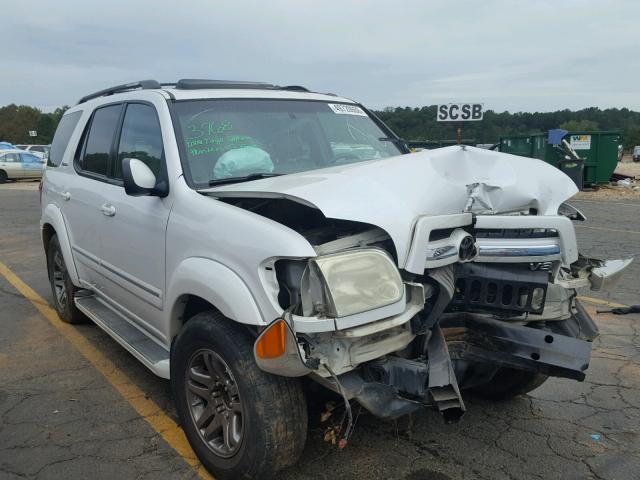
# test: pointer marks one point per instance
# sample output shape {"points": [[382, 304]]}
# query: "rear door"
{"points": [[84, 192], [10, 163]]}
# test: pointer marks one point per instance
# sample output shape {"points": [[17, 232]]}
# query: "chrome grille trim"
{"points": [[518, 250]]}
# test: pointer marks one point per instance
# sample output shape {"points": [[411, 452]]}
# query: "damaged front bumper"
{"points": [[423, 355], [482, 339], [392, 386]]}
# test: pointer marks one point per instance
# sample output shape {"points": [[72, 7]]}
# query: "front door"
{"points": [[132, 229]]}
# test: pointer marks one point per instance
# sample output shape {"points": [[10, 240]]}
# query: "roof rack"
{"points": [[143, 84], [191, 84], [197, 84], [295, 88]]}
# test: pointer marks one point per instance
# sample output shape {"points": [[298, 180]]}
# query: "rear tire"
{"points": [[241, 421], [508, 383], [62, 287], [3, 176]]}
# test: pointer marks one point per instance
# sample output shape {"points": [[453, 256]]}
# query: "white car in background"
{"points": [[19, 164], [41, 151]]}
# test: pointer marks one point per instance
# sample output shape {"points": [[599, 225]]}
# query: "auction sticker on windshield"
{"points": [[343, 109]]}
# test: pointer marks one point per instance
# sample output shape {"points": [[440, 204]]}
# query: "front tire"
{"points": [[240, 421], [3, 176], [62, 287], [508, 383]]}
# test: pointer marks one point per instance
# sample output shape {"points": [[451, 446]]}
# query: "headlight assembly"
{"points": [[343, 284]]}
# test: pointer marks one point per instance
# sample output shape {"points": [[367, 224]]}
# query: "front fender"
{"points": [[218, 285], [53, 216]]}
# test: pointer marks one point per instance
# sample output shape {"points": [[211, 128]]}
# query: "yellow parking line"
{"points": [[146, 408], [599, 301]]}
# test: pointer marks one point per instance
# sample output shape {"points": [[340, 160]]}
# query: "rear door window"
{"points": [[99, 140], [10, 158], [140, 138]]}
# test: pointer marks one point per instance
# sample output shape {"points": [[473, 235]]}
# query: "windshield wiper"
{"points": [[393, 140], [246, 178]]}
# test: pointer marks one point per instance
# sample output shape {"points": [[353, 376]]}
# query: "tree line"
{"points": [[411, 123], [420, 124], [17, 120]]}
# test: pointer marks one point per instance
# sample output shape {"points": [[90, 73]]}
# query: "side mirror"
{"points": [[571, 212], [139, 180]]}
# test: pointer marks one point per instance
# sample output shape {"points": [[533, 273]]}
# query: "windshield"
{"points": [[233, 139]]}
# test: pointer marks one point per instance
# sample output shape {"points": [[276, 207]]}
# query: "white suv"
{"points": [[237, 236]]}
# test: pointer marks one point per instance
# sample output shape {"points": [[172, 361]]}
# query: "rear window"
{"points": [[61, 138]]}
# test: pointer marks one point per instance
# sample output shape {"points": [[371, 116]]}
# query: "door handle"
{"points": [[65, 196], [108, 210]]}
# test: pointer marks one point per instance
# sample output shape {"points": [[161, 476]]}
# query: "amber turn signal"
{"points": [[272, 343]]}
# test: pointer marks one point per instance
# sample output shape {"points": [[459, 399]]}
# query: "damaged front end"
{"points": [[453, 328], [477, 294]]}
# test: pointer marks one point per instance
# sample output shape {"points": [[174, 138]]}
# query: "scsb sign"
{"points": [[460, 112]]}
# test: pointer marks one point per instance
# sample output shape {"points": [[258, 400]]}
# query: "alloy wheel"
{"points": [[59, 283], [214, 402]]}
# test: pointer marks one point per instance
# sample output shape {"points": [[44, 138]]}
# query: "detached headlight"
{"points": [[343, 284]]}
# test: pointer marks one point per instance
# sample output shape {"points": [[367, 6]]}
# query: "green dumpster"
{"points": [[598, 149], [518, 145]]}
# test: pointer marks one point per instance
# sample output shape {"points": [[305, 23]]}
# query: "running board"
{"points": [[152, 355]]}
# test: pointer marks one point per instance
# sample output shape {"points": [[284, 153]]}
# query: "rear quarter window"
{"points": [[61, 138]]}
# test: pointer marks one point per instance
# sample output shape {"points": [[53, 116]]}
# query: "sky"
{"points": [[540, 55]]}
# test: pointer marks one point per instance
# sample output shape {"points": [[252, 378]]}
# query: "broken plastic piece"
{"points": [[607, 275]]}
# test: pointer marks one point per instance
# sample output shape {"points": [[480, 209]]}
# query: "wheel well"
{"points": [[47, 232], [186, 307]]}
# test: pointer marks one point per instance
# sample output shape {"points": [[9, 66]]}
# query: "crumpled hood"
{"points": [[392, 193]]}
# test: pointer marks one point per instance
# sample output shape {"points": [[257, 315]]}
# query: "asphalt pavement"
{"points": [[74, 404]]}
